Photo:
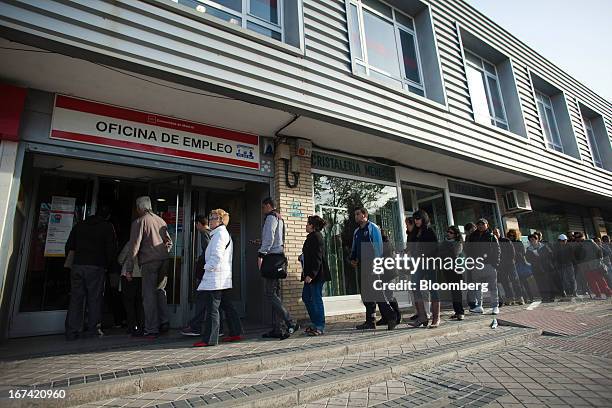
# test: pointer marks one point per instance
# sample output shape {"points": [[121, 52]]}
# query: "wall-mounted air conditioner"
{"points": [[517, 201]]}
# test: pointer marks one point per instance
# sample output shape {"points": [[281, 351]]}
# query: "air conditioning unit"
{"points": [[517, 201]]}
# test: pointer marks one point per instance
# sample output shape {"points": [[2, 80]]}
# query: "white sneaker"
{"points": [[477, 309], [495, 310], [601, 297]]}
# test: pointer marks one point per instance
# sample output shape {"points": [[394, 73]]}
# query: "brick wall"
{"points": [[295, 205]]}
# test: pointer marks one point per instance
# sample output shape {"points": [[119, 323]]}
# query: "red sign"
{"points": [[83, 121], [12, 100]]}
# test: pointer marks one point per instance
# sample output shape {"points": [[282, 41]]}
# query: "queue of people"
{"points": [[513, 273]]}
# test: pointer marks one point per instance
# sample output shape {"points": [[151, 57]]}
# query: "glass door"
{"points": [[203, 201], [167, 202], [59, 200]]}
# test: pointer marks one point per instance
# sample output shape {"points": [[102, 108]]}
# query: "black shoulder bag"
{"points": [[274, 266]]}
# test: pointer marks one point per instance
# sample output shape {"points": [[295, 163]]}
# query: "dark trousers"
{"points": [[114, 300], [200, 308], [312, 295], [509, 279], [569, 279], [214, 301], [385, 308], [279, 313], [132, 301], [543, 280], [86, 283], [154, 299], [456, 295], [528, 293]]}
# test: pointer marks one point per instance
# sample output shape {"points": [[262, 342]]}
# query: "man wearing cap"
{"points": [[483, 244], [563, 258]]}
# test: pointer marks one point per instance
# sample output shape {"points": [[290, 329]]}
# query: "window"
{"points": [[485, 91], [548, 121], [261, 16], [588, 127], [597, 137], [335, 199], [384, 44]]}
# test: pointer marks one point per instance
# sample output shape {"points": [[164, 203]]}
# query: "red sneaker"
{"points": [[201, 344], [229, 339]]}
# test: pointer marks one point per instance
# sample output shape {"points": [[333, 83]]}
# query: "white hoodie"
{"points": [[218, 255]]}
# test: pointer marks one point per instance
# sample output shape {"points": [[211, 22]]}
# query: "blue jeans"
{"points": [[312, 295]]}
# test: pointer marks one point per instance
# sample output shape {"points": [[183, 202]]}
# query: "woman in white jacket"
{"points": [[217, 282]]}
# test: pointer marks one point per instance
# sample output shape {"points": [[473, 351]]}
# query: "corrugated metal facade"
{"points": [[320, 83]]}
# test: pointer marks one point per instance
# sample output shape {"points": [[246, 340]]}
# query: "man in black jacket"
{"points": [[564, 259], [483, 244], [94, 244], [506, 273]]}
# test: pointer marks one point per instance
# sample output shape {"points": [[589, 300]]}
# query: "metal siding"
{"points": [[322, 82]]}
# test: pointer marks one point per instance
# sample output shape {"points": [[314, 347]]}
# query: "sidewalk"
{"points": [[118, 371]]}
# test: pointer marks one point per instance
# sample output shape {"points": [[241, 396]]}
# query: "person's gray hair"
{"points": [[144, 203]]}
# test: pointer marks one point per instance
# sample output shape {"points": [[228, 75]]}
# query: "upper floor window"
{"points": [[384, 44], [261, 16], [588, 127], [491, 84], [485, 91], [554, 115], [597, 137], [548, 121]]}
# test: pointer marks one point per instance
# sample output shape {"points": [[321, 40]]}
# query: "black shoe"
{"points": [[391, 325], [414, 317], [272, 335], [292, 328], [381, 322], [164, 327], [366, 326], [285, 335]]}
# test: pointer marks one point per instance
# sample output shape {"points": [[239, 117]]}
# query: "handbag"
{"points": [[274, 266]]}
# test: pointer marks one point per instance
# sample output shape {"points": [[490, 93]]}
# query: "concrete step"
{"points": [[180, 365], [323, 379]]}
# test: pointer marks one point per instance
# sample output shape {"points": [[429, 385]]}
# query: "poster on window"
{"points": [[61, 219]]}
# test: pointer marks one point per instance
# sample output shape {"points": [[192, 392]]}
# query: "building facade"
{"points": [[323, 104]]}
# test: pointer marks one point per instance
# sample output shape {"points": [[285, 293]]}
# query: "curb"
{"points": [[102, 390], [324, 388]]}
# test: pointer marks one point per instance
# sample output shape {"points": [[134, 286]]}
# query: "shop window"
{"points": [[431, 200], [491, 84], [469, 189], [61, 203], [279, 20], [554, 117], [597, 137], [395, 46], [335, 200], [467, 210]]}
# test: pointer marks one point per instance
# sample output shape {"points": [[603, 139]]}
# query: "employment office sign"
{"points": [[94, 123]]}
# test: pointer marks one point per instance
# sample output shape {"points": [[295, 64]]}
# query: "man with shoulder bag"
{"points": [[272, 264]]}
